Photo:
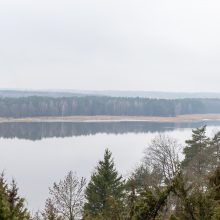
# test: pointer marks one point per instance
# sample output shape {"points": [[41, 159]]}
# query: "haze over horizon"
{"points": [[170, 46]]}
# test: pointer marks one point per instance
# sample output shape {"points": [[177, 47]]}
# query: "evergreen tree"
{"points": [[16, 203], [105, 191], [4, 204], [130, 199], [215, 150], [196, 156], [12, 206]]}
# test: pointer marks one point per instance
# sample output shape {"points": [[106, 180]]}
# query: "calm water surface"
{"points": [[37, 154]]}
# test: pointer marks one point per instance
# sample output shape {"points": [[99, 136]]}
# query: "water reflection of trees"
{"points": [[37, 131]]}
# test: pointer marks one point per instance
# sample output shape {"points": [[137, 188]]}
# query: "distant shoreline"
{"points": [[106, 118]]}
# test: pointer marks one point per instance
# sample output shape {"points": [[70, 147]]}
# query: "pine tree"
{"points": [[215, 151], [105, 191], [196, 155]]}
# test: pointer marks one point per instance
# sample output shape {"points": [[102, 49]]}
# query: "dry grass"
{"points": [[105, 118]]}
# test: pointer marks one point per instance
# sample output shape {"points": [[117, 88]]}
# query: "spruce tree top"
{"points": [[105, 185]]}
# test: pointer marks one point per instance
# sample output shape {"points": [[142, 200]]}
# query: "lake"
{"points": [[37, 154]]}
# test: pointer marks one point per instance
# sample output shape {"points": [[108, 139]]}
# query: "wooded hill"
{"points": [[10, 93], [97, 105]]}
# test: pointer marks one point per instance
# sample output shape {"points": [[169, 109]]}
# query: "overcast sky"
{"points": [[166, 45]]}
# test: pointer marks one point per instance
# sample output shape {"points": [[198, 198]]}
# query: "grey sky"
{"points": [[167, 45]]}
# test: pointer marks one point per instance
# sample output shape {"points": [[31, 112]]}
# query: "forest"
{"points": [[161, 187], [102, 105]]}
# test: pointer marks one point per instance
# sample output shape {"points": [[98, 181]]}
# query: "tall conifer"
{"points": [[104, 192]]}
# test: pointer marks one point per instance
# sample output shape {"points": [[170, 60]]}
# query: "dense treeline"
{"points": [[161, 188], [41, 130], [111, 93], [94, 105]]}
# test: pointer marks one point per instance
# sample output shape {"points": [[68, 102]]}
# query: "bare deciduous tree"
{"points": [[37, 216], [163, 154], [68, 196]]}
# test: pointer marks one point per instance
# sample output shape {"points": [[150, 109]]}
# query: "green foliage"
{"points": [[143, 196], [214, 193], [105, 191], [215, 151], [4, 204], [17, 207], [214, 181], [12, 206], [195, 145], [173, 217], [130, 199], [143, 176], [197, 156], [216, 213], [145, 205], [150, 202]]}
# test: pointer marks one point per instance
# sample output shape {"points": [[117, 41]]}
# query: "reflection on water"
{"points": [[75, 146], [38, 131]]}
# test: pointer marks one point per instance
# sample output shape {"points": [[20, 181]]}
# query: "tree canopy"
{"points": [[105, 190], [98, 105]]}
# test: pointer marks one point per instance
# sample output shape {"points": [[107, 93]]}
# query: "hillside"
{"points": [[10, 93]]}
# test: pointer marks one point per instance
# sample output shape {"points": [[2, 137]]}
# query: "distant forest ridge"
{"points": [[35, 106], [130, 94]]}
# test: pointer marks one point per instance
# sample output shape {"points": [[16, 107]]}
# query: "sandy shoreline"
{"points": [[105, 118]]}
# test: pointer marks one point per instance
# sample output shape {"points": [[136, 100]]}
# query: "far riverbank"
{"points": [[105, 118]]}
